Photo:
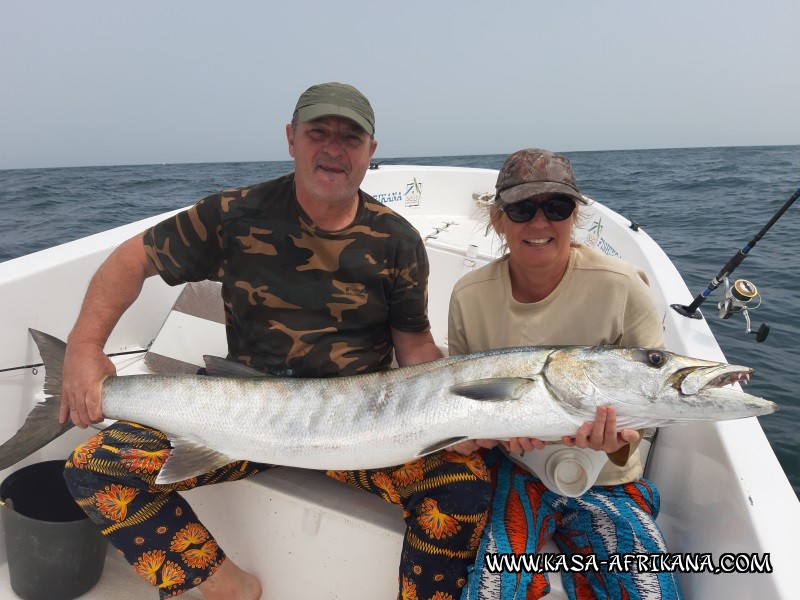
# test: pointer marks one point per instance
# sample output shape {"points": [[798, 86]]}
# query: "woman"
{"points": [[548, 290]]}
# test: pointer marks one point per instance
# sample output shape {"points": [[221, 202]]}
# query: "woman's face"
{"points": [[540, 242]]}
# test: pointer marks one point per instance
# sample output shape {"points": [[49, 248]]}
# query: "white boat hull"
{"points": [[723, 490]]}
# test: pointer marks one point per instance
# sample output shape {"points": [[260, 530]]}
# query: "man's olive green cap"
{"points": [[336, 99]]}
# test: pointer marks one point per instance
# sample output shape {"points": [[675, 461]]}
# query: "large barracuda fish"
{"points": [[390, 417]]}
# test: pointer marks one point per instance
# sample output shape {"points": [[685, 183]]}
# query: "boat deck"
{"points": [[290, 521], [119, 582]]}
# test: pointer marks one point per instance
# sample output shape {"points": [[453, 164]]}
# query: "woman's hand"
{"points": [[521, 445], [514, 445], [602, 434], [467, 447]]}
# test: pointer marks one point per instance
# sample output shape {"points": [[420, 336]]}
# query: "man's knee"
{"points": [[78, 471]]}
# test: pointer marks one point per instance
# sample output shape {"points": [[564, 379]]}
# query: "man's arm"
{"points": [[414, 348], [114, 287]]}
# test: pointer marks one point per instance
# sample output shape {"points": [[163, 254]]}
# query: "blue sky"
{"points": [[100, 83]]}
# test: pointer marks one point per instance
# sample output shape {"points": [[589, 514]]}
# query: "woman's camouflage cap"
{"points": [[535, 171]]}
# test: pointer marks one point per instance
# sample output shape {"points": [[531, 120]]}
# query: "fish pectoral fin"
{"points": [[222, 367], [441, 445], [189, 459], [493, 389]]}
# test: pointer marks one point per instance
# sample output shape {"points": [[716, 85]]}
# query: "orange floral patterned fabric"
{"points": [[112, 477], [445, 499]]}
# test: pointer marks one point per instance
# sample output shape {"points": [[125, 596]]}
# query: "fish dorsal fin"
{"points": [[222, 367], [493, 389], [189, 459], [440, 445]]}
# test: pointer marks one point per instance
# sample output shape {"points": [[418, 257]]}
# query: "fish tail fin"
{"points": [[42, 426], [52, 351]]}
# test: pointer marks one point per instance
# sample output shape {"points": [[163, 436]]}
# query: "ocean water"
{"points": [[701, 205]]}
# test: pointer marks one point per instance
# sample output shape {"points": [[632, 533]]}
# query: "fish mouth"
{"points": [[693, 380]]}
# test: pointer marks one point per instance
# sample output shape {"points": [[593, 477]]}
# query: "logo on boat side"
{"points": [[411, 196], [388, 197], [594, 239], [413, 193]]}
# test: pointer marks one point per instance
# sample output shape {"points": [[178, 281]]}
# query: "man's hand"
{"points": [[114, 287], [85, 368]]}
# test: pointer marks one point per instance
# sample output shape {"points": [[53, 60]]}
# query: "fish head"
{"points": [[649, 387]]}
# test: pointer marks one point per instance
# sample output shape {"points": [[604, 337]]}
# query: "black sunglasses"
{"points": [[555, 209]]}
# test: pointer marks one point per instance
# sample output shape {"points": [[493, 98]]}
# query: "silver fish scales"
{"points": [[391, 417]]}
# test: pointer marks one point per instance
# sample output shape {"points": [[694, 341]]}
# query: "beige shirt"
{"points": [[601, 300]]}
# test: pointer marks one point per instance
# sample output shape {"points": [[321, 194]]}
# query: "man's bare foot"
{"points": [[229, 582]]}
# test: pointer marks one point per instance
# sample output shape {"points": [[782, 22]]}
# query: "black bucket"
{"points": [[54, 551]]}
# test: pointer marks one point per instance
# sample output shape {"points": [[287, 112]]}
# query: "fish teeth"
{"points": [[730, 378]]}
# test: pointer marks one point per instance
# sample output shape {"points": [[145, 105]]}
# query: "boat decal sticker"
{"points": [[411, 196], [595, 239]]}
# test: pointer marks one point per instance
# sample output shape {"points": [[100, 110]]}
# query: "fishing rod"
{"points": [[738, 295], [36, 366]]}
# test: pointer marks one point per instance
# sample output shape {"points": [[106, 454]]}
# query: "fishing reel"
{"points": [[737, 299]]}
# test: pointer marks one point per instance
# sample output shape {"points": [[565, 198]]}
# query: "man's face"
{"points": [[332, 155]]}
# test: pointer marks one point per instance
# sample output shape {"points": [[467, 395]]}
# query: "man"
{"points": [[318, 279]]}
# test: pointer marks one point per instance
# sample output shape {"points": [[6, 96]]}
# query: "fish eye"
{"points": [[656, 358]]}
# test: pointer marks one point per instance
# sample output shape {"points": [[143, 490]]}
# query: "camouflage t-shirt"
{"points": [[299, 301]]}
